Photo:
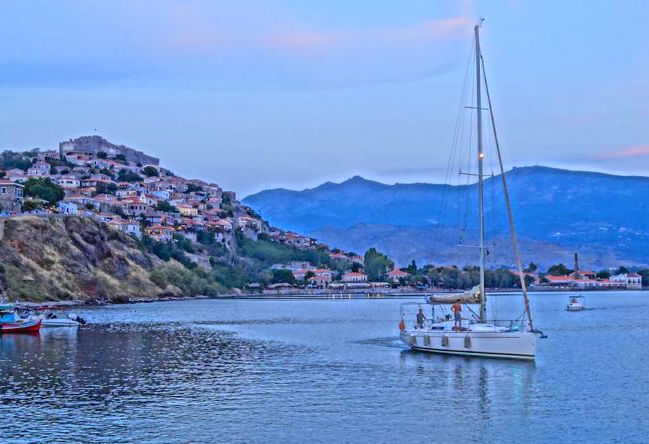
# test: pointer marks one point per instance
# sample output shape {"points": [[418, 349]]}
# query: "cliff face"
{"points": [[74, 258]]}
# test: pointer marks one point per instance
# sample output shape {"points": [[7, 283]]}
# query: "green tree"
{"points": [[30, 205], [191, 188], [43, 189], [529, 280], [107, 172], [283, 276], [411, 268], [165, 207], [105, 188], [126, 175], [603, 274], [621, 270], [377, 265], [101, 155], [531, 268], [150, 171], [559, 270]]}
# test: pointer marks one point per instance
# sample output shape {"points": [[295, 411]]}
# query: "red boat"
{"points": [[23, 327]]}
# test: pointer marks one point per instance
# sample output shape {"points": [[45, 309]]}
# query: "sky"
{"points": [[286, 93]]}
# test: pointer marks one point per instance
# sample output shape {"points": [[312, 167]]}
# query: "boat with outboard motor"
{"points": [[10, 322], [472, 334], [576, 303], [50, 318]]}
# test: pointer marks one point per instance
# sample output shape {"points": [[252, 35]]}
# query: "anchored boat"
{"points": [[576, 303], [470, 332], [10, 322]]}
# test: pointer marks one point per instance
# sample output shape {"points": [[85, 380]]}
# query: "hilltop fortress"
{"points": [[96, 144]]}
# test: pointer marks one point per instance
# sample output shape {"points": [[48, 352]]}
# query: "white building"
{"points": [[354, 277], [67, 207], [628, 280], [39, 169]]}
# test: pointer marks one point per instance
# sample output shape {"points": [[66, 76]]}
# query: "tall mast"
{"points": [[510, 215], [483, 296]]}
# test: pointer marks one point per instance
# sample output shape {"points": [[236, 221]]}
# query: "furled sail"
{"points": [[468, 297]]}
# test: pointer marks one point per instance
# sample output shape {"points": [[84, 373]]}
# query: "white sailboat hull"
{"points": [[495, 344]]}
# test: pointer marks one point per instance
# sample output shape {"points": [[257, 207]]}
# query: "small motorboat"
{"points": [[576, 303], [52, 320], [11, 323]]}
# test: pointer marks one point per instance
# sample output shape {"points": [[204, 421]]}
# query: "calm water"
{"points": [[244, 371]]}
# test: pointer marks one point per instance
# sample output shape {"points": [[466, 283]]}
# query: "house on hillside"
{"points": [[354, 277], [39, 169], [67, 207], [11, 196], [628, 280], [396, 276], [160, 232]]}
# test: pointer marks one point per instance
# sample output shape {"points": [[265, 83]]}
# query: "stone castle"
{"points": [[96, 144]]}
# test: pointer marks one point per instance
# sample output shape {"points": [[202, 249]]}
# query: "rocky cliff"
{"points": [[56, 258]]}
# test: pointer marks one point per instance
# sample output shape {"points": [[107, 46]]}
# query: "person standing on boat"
{"points": [[457, 309], [420, 318]]}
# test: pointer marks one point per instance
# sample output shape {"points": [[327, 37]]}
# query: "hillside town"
{"points": [[129, 191]]}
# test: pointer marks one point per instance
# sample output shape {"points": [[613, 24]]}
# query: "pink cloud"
{"points": [[192, 32], [635, 151], [423, 32]]}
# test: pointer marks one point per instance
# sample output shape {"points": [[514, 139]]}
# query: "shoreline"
{"points": [[306, 295]]}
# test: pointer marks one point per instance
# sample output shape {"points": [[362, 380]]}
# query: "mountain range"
{"points": [[558, 212]]}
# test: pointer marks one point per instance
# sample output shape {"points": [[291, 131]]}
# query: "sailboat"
{"points": [[471, 333]]}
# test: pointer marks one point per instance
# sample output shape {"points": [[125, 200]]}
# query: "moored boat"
{"points": [[11, 323], [576, 303]]}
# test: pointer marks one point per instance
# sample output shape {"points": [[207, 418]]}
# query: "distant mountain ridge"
{"points": [[558, 211]]}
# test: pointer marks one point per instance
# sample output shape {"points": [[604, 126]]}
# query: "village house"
{"points": [[67, 207], [354, 277], [396, 276], [297, 240], [154, 217], [42, 156], [160, 232], [79, 159], [127, 226], [11, 196], [321, 277], [134, 207], [77, 199], [68, 182], [39, 169], [187, 210], [628, 280], [340, 256]]}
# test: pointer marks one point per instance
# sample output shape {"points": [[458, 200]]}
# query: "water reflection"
{"points": [[314, 372]]}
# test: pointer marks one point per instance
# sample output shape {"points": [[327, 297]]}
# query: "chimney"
{"points": [[576, 262]]}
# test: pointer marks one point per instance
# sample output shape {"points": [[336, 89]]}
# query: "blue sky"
{"points": [[259, 94]]}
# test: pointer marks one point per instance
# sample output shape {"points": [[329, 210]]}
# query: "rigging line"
{"points": [[512, 227], [455, 142], [469, 161]]}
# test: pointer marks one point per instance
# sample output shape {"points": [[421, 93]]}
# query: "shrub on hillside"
{"points": [[43, 189]]}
